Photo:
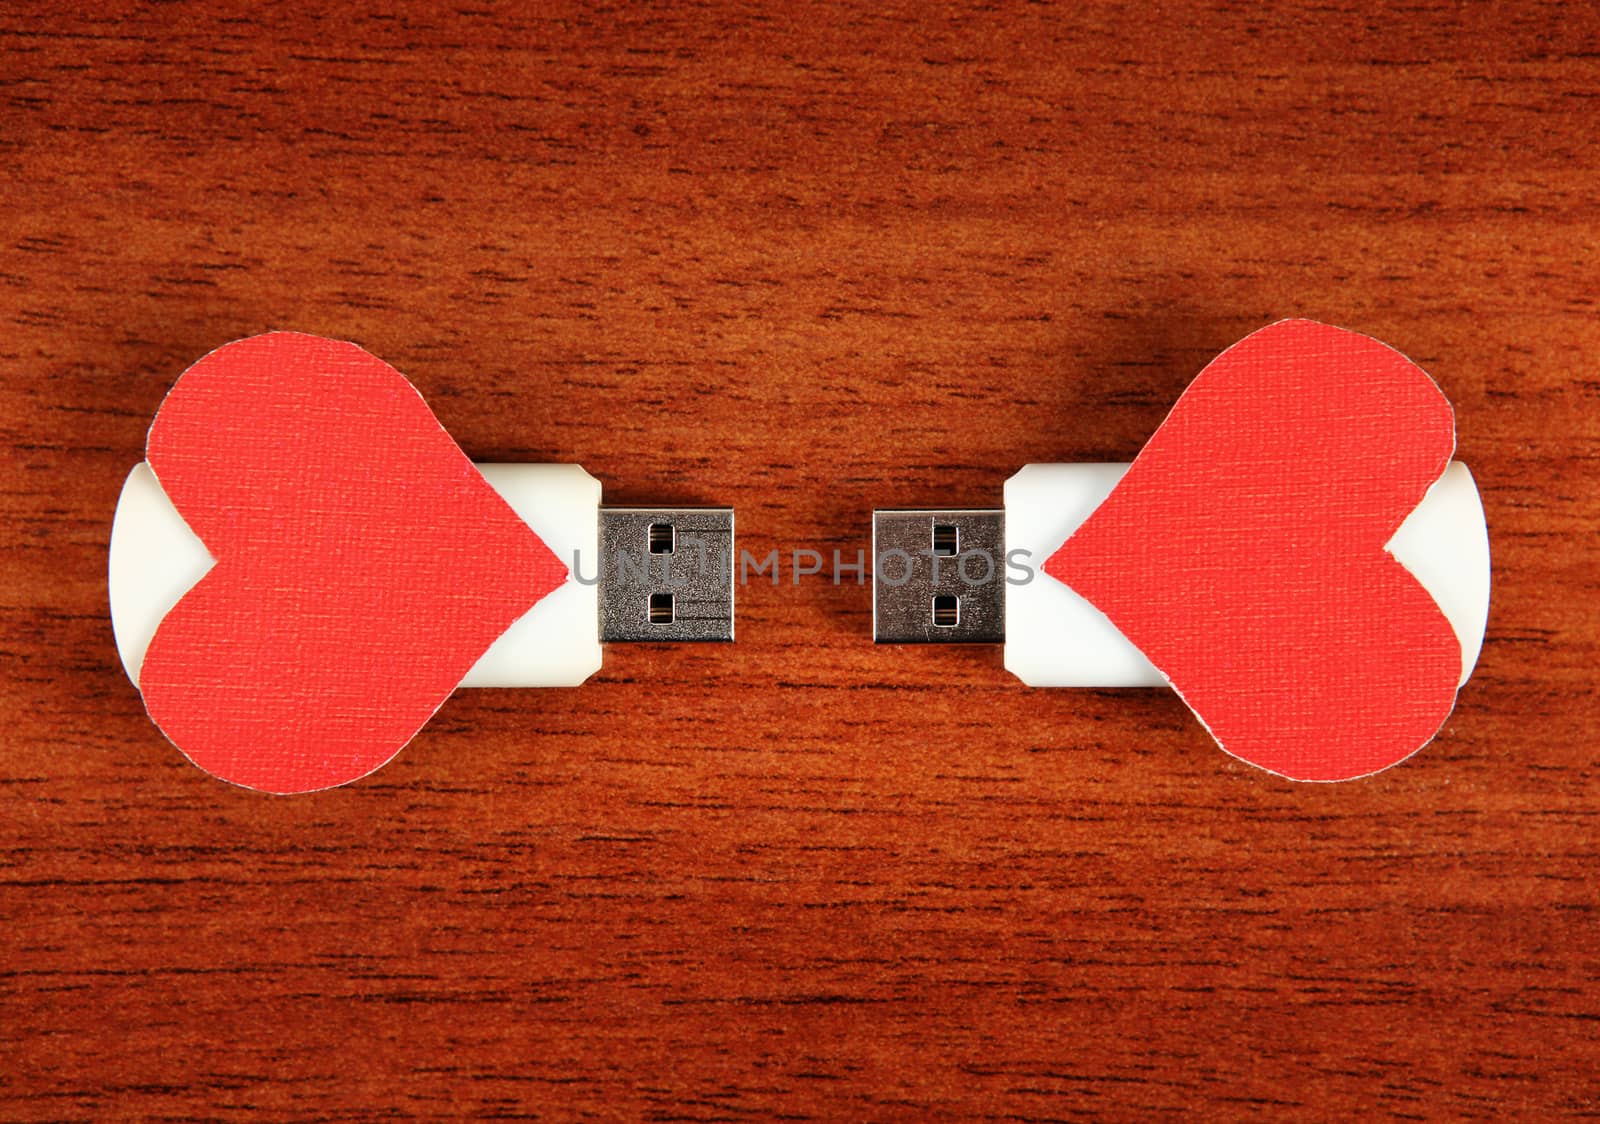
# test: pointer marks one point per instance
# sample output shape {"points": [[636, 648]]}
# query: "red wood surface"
{"points": [[806, 260]]}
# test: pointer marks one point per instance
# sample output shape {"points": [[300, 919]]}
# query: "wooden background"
{"points": [[805, 260]]}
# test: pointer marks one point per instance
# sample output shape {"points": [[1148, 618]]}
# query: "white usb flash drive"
{"points": [[663, 574], [1055, 638]]}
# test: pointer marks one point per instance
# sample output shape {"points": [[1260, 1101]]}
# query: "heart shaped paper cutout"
{"points": [[1244, 553], [363, 564]]}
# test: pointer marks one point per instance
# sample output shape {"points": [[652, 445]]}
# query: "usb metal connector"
{"points": [[939, 576], [666, 573]]}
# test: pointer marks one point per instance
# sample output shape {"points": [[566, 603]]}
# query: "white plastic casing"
{"points": [[1055, 638], [156, 558]]}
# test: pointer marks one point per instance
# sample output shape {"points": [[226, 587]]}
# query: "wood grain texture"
{"points": [[806, 260]]}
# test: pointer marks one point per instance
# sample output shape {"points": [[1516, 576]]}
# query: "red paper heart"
{"points": [[363, 564], [1243, 553]]}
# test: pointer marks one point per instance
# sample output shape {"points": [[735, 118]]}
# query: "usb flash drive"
{"points": [[932, 579], [1293, 552], [635, 574], [305, 566]]}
